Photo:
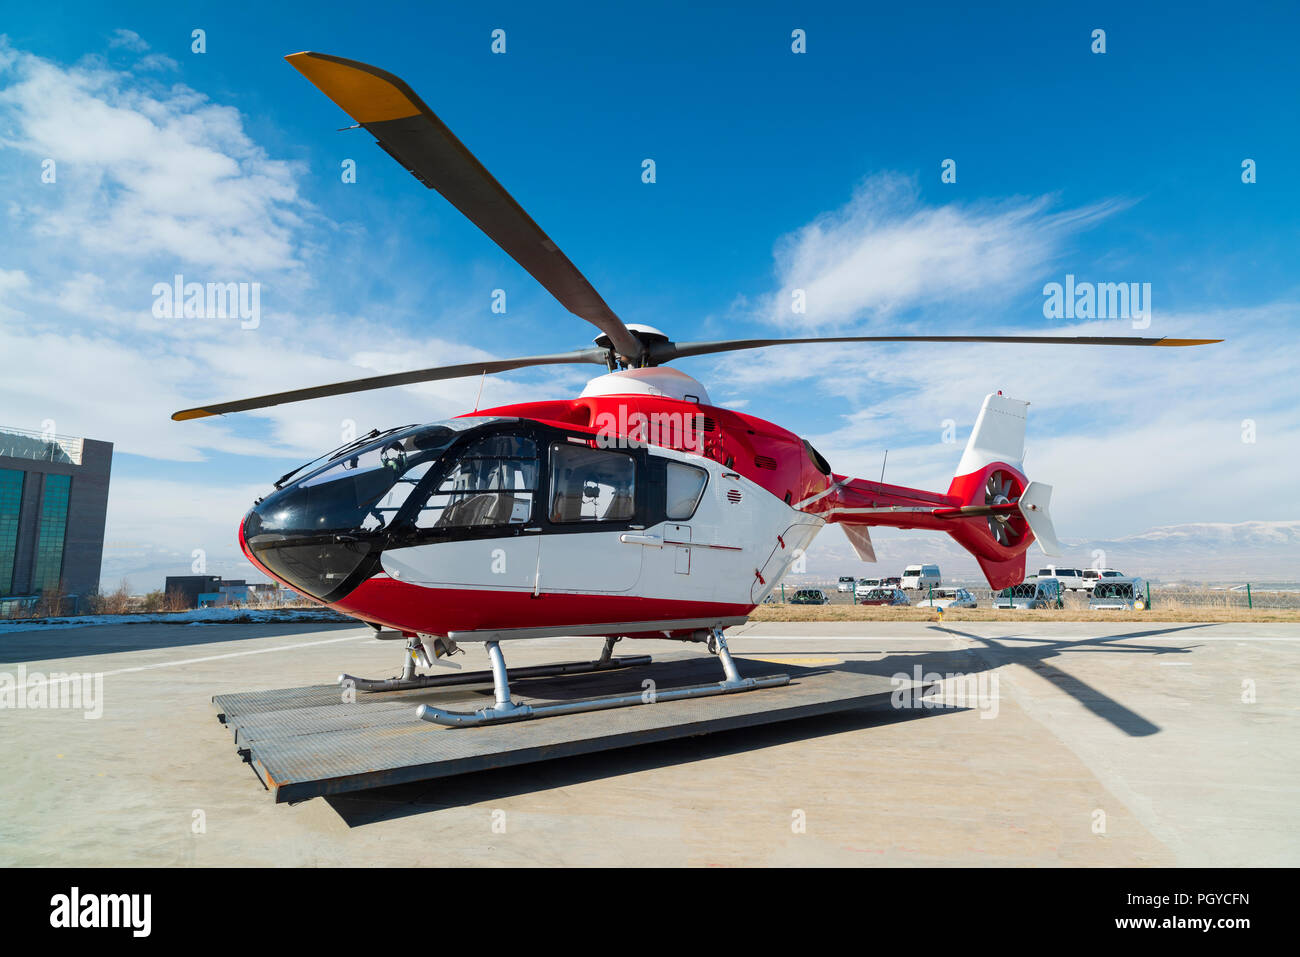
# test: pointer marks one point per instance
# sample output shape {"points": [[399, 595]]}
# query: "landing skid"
{"points": [[506, 709], [410, 680]]}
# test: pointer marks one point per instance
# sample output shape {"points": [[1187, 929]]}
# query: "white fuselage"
{"points": [[738, 544]]}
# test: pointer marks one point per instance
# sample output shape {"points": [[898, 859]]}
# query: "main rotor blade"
{"points": [[665, 351], [595, 356], [413, 135]]}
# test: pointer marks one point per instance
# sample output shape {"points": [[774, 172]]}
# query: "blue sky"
{"points": [[774, 170]]}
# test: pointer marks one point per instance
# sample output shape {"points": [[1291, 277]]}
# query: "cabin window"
{"points": [[591, 485], [685, 487], [491, 483]]}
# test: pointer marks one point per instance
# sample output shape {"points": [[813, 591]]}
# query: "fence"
{"points": [[41, 446], [1243, 597]]}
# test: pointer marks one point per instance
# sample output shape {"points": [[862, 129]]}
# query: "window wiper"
{"points": [[330, 456]]}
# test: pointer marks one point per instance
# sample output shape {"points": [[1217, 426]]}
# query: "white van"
{"points": [[921, 577], [846, 583], [1071, 579]]}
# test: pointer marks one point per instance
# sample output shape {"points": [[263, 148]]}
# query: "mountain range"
{"points": [[1210, 552]]}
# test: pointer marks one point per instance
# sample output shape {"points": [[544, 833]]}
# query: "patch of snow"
{"points": [[200, 616]]}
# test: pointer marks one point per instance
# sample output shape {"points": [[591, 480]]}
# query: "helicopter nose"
{"points": [[250, 554], [322, 563]]}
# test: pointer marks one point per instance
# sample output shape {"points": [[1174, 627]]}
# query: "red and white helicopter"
{"points": [[637, 510]]}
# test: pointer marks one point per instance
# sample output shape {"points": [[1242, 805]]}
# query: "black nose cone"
{"points": [[325, 563]]}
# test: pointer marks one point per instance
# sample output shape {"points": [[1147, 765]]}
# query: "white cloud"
{"points": [[1129, 437], [885, 251], [155, 526], [158, 62], [153, 181], [148, 172], [128, 40]]}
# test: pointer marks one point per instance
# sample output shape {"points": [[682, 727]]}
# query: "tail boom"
{"points": [[991, 508]]}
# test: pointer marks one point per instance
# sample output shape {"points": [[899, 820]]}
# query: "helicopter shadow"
{"points": [[393, 802]]}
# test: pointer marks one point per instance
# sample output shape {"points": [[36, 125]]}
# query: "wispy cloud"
{"points": [[153, 180], [886, 252], [128, 40], [1130, 437], [145, 171]]}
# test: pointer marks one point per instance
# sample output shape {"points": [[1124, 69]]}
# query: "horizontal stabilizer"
{"points": [[859, 537], [1033, 506]]}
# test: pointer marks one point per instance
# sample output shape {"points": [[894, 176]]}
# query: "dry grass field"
{"points": [[846, 612]]}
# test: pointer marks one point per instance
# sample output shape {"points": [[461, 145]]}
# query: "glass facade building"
{"points": [[53, 508], [11, 500], [47, 573]]}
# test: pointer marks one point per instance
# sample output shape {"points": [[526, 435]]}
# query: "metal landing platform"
{"points": [[307, 742]]}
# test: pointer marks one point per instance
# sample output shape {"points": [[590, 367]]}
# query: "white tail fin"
{"points": [[998, 436]]}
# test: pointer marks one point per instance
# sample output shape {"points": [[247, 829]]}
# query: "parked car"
{"points": [[1093, 575], [1124, 594], [865, 585], [1031, 593], [846, 583], [809, 596], [883, 596], [920, 576], [892, 582], [949, 598], [1071, 579]]}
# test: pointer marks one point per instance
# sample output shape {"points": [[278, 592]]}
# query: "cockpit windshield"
{"points": [[365, 487], [319, 531]]}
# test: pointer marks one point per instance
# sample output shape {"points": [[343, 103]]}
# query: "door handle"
{"points": [[634, 539]]}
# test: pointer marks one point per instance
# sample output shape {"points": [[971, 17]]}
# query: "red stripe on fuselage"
{"points": [[437, 611]]}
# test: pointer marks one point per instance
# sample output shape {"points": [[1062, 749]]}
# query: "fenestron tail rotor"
{"points": [[1000, 488]]}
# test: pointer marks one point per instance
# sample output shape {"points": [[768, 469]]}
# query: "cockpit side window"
{"points": [[491, 483], [685, 488], [591, 485]]}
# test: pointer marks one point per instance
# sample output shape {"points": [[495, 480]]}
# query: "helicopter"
{"points": [[638, 509]]}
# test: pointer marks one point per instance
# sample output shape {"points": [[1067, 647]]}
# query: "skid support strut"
{"points": [[410, 680], [506, 709]]}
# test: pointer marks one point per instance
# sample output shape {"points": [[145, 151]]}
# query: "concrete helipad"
{"points": [[324, 740], [1074, 744]]}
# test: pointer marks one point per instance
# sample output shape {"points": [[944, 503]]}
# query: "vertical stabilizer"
{"points": [[998, 436]]}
